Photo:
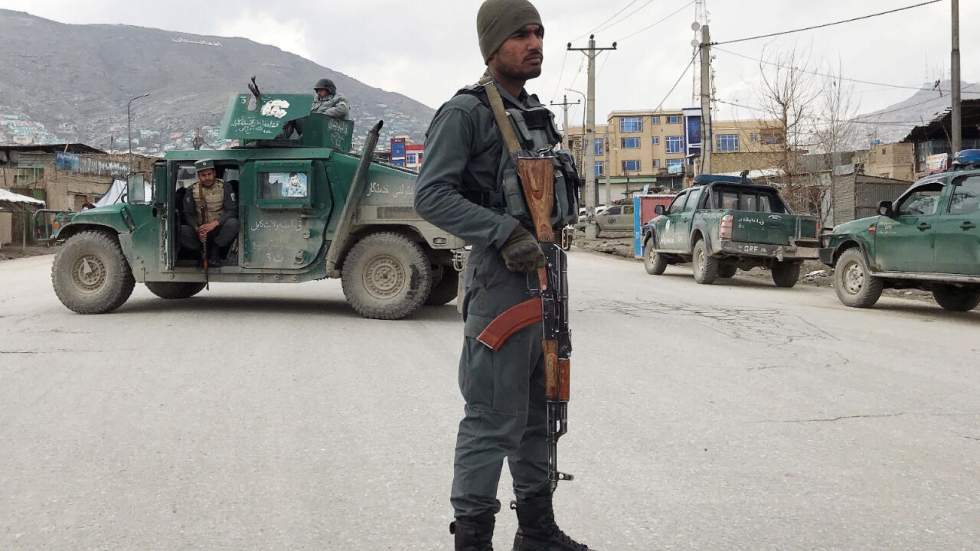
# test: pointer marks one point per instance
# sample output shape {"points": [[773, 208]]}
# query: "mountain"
{"points": [[72, 83], [892, 124]]}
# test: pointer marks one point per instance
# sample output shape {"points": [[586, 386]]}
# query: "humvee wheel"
{"points": [[173, 289], [786, 274], [653, 262], [705, 265], [727, 271], [386, 276], [446, 289], [90, 275]]}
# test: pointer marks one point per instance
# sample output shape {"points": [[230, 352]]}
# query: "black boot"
{"points": [[537, 530], [473, 533]]}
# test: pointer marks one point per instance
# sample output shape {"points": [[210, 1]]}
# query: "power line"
{"points": [[560, 74], [674, 87], [659, 21], [829, 75], [841, 22], [625, 17], [611, 17], [857, 120]]}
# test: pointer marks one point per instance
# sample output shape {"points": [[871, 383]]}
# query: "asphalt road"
{"points": [[733, 416]]}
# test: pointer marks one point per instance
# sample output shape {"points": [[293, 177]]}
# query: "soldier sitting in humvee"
{"points": [[210, 215]]}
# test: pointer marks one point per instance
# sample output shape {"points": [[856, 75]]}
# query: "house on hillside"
{"points": [[931, 141]]}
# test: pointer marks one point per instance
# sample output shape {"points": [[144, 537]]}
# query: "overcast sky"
{"points": [[426, 49]]}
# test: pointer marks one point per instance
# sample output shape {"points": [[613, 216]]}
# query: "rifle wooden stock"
{"points": [[538, 180]]}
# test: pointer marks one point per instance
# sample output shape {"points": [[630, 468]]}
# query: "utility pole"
{"points": [[587, 141], [957, 115], [707, 139], [564, 107], [129, 127]]}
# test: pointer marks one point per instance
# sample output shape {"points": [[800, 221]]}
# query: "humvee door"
{"points": [[285, 208]]}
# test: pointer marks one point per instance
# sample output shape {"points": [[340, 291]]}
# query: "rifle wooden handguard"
{"points": [[512, 320]]}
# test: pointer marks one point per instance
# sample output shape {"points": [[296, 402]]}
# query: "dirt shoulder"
{"points": [[10, 252]]}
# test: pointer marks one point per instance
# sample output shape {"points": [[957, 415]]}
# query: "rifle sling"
{"points": [[511, 142]]}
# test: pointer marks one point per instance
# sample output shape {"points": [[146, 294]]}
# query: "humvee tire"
{"points": [[172, 290], [386, 276], [90, 275], [653, 262], [956, 299], [853, 282], [705, 266], [786, 274], [446, 289]]}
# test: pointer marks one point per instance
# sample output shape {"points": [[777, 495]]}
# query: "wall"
{"points": [[723, 163], [6, 231], [895, 160]]}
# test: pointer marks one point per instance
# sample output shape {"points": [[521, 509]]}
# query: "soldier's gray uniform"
{"points": [[459, 190], [335, 106]]}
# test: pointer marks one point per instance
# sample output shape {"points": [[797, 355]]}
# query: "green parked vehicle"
{"points": [[929, 238], [343, 216], [723, 224]]}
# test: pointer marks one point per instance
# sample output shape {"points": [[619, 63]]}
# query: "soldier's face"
{"points": [[322, 93], [206, 177], [521, 55]]}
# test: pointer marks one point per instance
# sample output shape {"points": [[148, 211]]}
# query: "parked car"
{"points": [[726, 223], [616, 218], [927, 239]]}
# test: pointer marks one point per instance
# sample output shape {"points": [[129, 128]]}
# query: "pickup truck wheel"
{"points": [[853, 282], [386, 276], [705, 266], [174, 290], [653, 262], [956, 299], [726, 271], [90, 275], [447, 288], [786, 274]]}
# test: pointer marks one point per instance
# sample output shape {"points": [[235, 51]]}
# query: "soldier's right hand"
{"points": [[521, 252]]}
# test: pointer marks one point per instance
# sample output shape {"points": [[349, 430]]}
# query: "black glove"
{"points": [[521, 252]]}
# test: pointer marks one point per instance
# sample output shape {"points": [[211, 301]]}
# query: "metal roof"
{"points": [[54, 148], [15, 201]]}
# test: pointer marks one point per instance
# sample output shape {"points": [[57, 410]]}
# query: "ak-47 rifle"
{"points": [[550, 305], [204, 242]]}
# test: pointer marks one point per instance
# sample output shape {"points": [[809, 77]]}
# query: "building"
{"points": [[931, 141], [656, 149], [405, 153], [895, 161], [64, 175]]}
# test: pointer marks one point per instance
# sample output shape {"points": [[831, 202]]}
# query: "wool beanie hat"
{"points": [[498, 19]]}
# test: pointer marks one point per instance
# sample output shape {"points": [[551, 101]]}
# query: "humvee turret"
{"points": [[344, 216]]}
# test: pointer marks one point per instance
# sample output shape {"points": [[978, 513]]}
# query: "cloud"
{"points": [[289, 35]]}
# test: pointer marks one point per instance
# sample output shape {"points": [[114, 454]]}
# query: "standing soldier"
{"points": [[468, 186], [328, 102]]}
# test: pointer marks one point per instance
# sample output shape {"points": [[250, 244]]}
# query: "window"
{"points": [[631, 124], [673, 119], [655, 119], [628, 210], [632, 165], [923, 201], [28, 176], [656, 163], [727, 143], [630, 143], [675, 144], [283, 185], [600, 168], [729, 200], [692, 200], [754, 137], [771, 136], [612, 211], [675, 166], [411, 158], [656, 140], [966, 196], [599, 146], [678, 204]]}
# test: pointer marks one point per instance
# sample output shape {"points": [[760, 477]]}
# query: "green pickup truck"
{"points": [[928, 239], [725, 223]]}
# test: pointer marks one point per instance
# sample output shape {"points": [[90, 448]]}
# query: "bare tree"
{"points": [[788, 94], [835, 127]]}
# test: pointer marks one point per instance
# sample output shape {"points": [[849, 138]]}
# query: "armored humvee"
{"points": [[353, 219]]}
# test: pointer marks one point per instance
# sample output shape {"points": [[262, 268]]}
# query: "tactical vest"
{"points": [[535, 128]]}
